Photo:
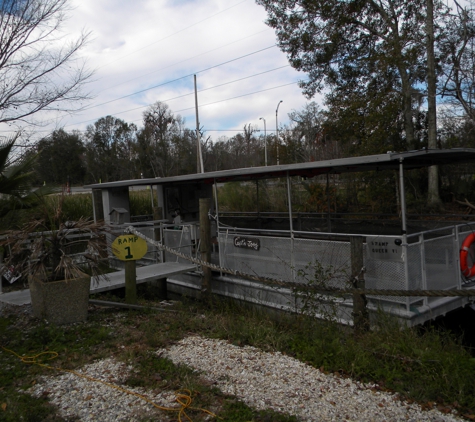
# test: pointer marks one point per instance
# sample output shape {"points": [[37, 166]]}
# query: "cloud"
{"points": [[148, 50]]}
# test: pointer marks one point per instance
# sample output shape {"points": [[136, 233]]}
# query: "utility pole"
{"points": [[277, 130], [265, 140], [199, 158]]}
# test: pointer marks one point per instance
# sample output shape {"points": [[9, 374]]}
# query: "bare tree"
{"points": [[458, 53], [38, 72]]}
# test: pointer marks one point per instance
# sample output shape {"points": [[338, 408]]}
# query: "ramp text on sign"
{"points": [[129, 247]]}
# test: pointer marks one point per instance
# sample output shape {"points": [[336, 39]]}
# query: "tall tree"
{"points": [[366, 119], [457, 51], [16, 178], [37, 71], [165, 147], [348, 42], [61, 158], [110, 150], [308, 128], [16, 171], [245, 149]]}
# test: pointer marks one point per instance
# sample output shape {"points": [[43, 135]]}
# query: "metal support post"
{"points": [[292, 257]]}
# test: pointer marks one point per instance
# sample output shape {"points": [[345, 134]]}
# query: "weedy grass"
{"points": [[73, 207], [80, 205], [427, 366], [141, 202]]}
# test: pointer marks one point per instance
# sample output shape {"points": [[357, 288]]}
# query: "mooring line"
{"points": [[301, 286]]}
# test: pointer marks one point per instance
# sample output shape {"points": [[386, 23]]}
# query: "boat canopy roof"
{"points": [[389, 161]]}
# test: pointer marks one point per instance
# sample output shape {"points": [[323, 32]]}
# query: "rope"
{"points": [[299, 286], [182, 397], [214, 267]]}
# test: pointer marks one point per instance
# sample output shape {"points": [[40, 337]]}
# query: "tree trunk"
{"points": [[407, 107], [433, 197]]}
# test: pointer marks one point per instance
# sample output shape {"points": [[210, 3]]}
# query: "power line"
{"points": [[228, 99], [238, 96], [183, 61], [201, 105], [180, 78], [189, 93]]}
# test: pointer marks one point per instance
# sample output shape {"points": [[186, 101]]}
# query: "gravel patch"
{"points": [[260, 379], [78, 398], [275, 381]]}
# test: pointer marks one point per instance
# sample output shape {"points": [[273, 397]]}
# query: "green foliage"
{"points": [[355, 57], [73, 207], [319, 198], [242, 197], [109, 150], [164, 146], [16, 176], [77, 206], [365, 123], [237, 196], [425, 367], [141, 202], [60, 159], [379, 192], [319, 276]]}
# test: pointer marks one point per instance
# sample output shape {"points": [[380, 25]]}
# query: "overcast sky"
{"points": [[145, 51]]}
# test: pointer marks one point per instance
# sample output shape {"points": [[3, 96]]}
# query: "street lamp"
{"points": [[265, 139], [277, 130]]}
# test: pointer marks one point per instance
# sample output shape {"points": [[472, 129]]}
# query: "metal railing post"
{"points": [[292, 257], [423, 266]]}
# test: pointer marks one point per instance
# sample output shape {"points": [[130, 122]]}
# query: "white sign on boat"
{"points": [[387, 248]]}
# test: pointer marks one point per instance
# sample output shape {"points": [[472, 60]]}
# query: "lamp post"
{"points": [[277, 130], [265, 139]]}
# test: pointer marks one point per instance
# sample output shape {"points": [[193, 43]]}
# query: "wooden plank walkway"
{"points": [[116, 280], [144, 274]]}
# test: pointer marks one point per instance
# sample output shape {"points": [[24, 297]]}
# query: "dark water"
{"points": [[460, 323]]}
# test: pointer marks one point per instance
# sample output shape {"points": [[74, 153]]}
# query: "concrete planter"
{"points": [[60, 302]]}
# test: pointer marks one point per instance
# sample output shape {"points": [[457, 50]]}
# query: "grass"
{"points": [[141, 202], [425, 366], [80, 205]]}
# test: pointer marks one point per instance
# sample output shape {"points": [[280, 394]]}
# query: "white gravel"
{"points": [[261, 380], [275, 381], [86, 400]]}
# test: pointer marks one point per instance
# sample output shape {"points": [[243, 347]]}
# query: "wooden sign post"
{"points": [[129, 248]]}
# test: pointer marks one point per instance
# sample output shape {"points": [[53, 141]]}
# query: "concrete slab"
{"points": [[19, 297]]}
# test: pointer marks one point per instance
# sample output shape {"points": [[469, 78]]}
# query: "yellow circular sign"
{"points": [[129, 247]]}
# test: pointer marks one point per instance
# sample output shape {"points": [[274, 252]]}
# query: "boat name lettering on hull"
{"points": [[247, 243]]}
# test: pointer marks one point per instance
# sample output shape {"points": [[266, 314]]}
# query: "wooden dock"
{"points": [[116, 280]]}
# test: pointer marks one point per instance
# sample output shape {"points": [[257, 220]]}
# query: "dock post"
{"points": [[130, 282], [360, 313], [205, 244], [160, 285]]}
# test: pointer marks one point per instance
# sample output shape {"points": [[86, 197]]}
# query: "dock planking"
{"points": [[115, 280]]}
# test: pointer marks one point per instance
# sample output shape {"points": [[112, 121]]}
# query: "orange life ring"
{"points": [[467, 271]]}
